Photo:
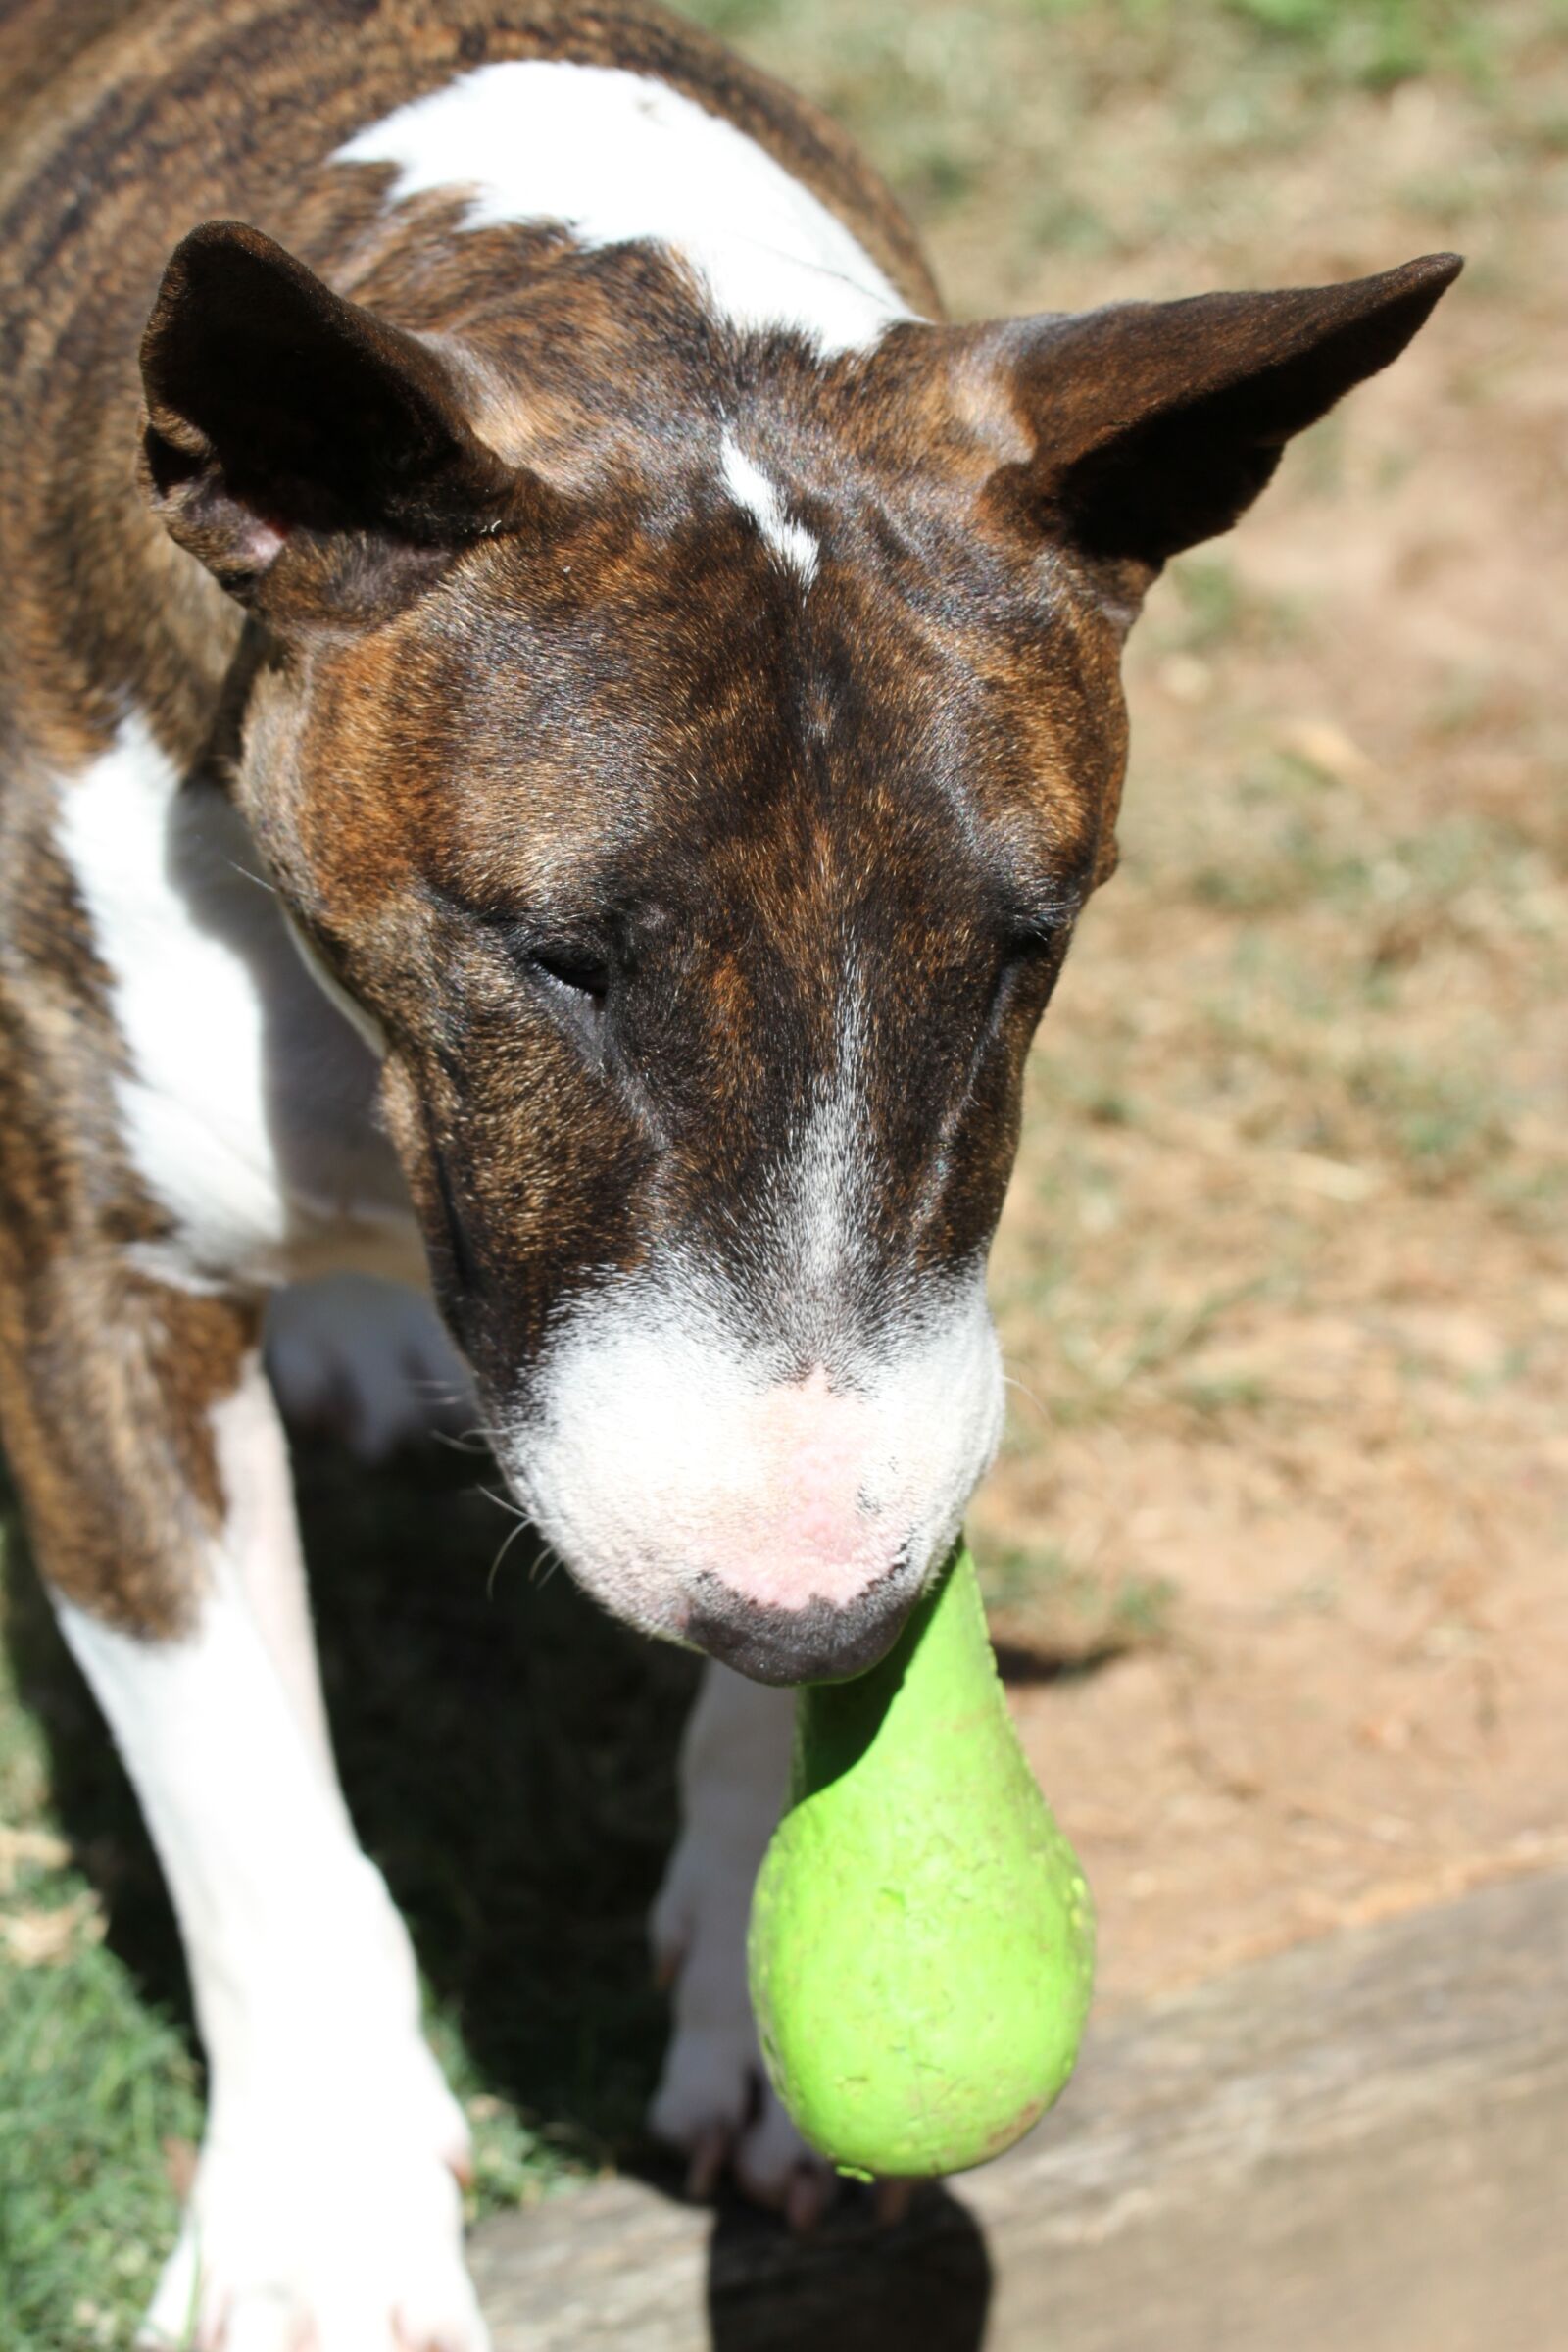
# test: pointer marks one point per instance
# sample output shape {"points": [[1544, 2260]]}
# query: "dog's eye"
{"points": [[1028, 944], [575, 981], [575, 969]]}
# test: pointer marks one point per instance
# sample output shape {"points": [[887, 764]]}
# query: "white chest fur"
{"points": [[245, 1098]]}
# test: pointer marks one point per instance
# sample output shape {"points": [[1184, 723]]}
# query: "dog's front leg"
{"points": [[325, 2209], [713, 2099]]}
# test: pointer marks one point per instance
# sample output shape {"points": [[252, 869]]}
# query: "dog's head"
{"points": [[690, 757]]}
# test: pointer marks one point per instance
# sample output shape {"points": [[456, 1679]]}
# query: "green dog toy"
{"points": [[921, 1939]]}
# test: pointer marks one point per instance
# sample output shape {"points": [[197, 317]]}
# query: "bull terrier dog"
{"points": [[556, 722]]}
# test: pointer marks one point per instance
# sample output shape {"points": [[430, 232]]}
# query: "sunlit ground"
{"points": [[1282, 1283]]}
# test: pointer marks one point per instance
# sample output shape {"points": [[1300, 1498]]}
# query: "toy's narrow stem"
{"points": [[835, 1722]]}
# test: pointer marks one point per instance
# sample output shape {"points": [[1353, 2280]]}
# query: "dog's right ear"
{"points": [[1155, 424], [316, 460]]}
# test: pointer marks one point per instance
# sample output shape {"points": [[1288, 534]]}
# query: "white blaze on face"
{"points": [[617, 157], [664, 1450], [823, 1190], [789, 542]]}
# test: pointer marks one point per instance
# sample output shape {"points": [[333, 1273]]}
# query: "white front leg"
{"points": [[325, 2208], [714, 2098]]}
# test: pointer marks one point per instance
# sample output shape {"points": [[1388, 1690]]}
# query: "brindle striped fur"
{"points": [[916, 766]]}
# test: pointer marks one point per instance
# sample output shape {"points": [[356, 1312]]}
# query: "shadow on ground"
{"points": [[851, 2288], [508, 1756]]}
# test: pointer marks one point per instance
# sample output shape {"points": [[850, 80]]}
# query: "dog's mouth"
{"points": [[820, 1641]]}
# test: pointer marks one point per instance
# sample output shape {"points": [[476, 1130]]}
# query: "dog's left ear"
{"points": [[1155, 424], [319, 460]]}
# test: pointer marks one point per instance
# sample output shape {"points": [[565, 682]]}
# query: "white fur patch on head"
{"points": [[618, 157], [788, 1438], [749, 486], [825, 1188]]}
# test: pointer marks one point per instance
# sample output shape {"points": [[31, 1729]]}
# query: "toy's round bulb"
{"points": [[921, 1939]]}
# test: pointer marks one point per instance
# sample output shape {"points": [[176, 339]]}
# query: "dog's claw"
{"points": [[890, 2201], [805, 2199], [709, 2155]]}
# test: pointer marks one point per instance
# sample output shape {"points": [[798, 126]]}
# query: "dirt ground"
{"points": [[1283, 1282], [1277, 1548]]}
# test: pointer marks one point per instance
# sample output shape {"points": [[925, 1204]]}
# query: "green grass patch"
{"points": [[95, 2084], [1073, 1617], [1444, 1123], [1375, 43], [508, 1755]]}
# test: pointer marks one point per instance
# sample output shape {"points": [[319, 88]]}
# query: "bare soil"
{"points": [[1283, 1277]]}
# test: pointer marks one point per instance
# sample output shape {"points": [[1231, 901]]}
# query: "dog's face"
{"points": [[708, 912], [702, 829]]}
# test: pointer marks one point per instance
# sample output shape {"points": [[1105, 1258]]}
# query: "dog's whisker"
{"points": [[503, 1502], [259, 880], [470, 1441], [507, 1543], [546, 1563]]}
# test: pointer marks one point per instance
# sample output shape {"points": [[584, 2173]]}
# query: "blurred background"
{"points": [[1276, 1546]]}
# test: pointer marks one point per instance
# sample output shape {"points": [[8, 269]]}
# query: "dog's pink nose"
{"points": [[808, 1578], [807, 1529]]}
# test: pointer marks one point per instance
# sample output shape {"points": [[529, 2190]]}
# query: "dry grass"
{"points": [[1283, 1278]]}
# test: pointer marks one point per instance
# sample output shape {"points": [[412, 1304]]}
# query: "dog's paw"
{"points": [[365, 1361], [714, 2102], [327, 2215]]}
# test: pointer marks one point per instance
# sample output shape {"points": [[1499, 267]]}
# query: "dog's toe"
{"points": [[778, 2168], [715, 2104], [326, 2219]]}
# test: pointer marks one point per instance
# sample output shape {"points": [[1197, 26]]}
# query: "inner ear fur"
{"points": [[315, 458], [1155, 424]]}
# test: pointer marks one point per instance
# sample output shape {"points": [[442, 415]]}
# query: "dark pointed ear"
{"points": [[316, 460], [1155, 424]]}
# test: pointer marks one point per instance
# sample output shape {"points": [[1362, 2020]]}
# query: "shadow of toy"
{"points": [[851, 2287]]}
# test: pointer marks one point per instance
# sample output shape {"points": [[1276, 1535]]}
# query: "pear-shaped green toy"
{"points": [[921, 1940]]}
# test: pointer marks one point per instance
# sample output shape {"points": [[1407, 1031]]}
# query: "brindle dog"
{"points": [[554, 724]]}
